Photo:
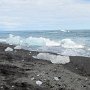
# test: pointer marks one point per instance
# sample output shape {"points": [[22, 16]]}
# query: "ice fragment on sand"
{"points": [[32, 78], [38, 75], [8, 49], [39, 83], [53, 58], [23, 60], [86, 79], [17, 47], [12, 86], [56, 78], [1, 87]]}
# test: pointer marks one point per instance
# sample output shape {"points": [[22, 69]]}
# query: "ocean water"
{"points": [[68, 43]]}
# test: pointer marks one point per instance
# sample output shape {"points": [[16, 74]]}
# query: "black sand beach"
{"points": [[20, 71]]}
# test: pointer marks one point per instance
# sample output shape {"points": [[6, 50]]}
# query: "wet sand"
{"points": [[20, 71]]}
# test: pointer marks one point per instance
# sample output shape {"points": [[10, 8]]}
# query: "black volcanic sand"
{"points": [[20, 71], [80, 65]]}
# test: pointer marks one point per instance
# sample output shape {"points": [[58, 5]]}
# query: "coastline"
{"points": [[20, 71]]}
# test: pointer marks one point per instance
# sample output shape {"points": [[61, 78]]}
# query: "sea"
{"points": [[63, 42]]}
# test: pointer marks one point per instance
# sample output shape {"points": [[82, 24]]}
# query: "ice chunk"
{"points": [[38, 75], [32, 78], [39, 83], [56, 78], [12, 86], [58, 59], [23, 60], [1, 87], [8, 49], [17, 47]]}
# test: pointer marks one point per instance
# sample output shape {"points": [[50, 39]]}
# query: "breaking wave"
{"points": [[34, 41], [67, 47], [68, 43]]}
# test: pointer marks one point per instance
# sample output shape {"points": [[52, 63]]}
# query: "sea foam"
{"points": [[40, 41], [29, 41], [65, 46], [68, 43]]}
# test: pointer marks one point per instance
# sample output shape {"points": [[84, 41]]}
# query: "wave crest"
{"points": [[34, 41], [68, 43]]}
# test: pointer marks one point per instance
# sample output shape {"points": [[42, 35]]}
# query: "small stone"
{"points": [[59, 77], [15, 51], [84, 86]]}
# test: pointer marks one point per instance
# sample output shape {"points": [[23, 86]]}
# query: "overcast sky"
{"points": [[44, 14]]}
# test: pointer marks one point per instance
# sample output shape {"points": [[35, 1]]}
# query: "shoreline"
{"points": [[20, 71]]}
